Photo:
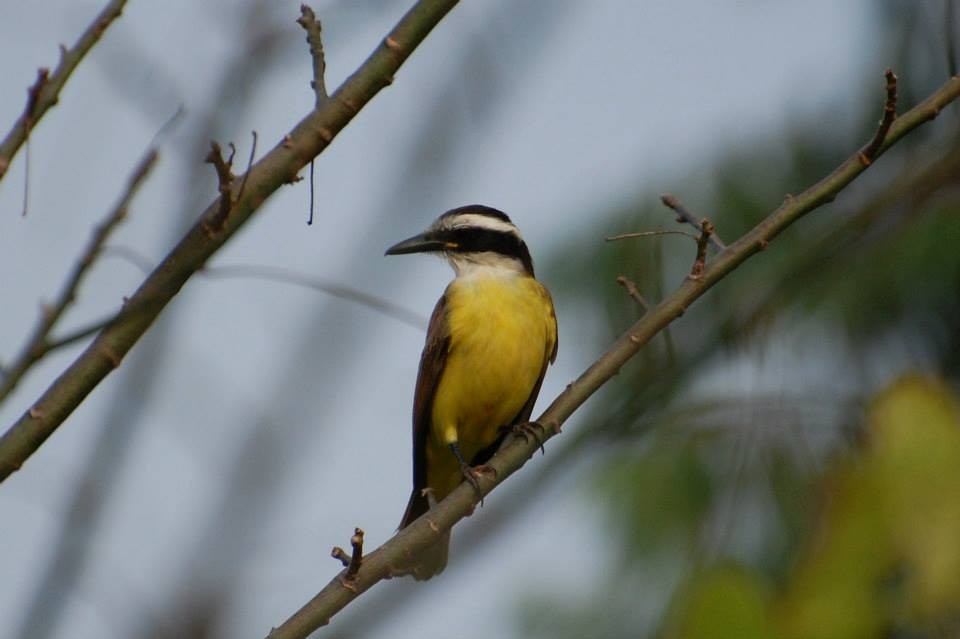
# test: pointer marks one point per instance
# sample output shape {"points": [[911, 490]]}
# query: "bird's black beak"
{"points": [[423, 243]]}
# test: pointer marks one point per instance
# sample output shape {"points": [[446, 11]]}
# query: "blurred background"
{"points": [[781, 463]]}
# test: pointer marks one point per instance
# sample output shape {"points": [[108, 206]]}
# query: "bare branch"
{"points": [[426, 530], [224, 169], [949, 21], [698, 263], [246, 174], [39, 343], [683, 215], [312, 188], [869, 153], [356, 558], [245, 271], [627, 236], [308, 20], [340, 555], [45, 92], [278, 167], [631, 287]]}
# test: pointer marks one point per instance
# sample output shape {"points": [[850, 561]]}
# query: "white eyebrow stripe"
{"points": [[481, 221]]}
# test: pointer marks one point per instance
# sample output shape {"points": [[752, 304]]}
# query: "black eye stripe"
{"points": [[478, 239], [472, 239]]}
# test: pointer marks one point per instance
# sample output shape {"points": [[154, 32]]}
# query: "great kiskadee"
{"points": [[490, 338]]}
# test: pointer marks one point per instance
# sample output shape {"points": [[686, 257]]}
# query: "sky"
{"points": [[547, 110]]}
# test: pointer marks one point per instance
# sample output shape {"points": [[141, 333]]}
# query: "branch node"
{"points": [[393, 45], [225, 185], [110, 355], [631, 287], [287, 142], [352, 562], [253, 152], [707, 229], [683, 215], [349, 104], [308, 20], [33, 95], [347, 583], [34, 413], [870, 152]]}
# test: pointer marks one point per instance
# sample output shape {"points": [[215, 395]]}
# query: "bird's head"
{"points": [[472, 237]]}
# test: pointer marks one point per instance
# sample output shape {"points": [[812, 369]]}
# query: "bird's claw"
{"points": [[472, 475], [531, 431]]}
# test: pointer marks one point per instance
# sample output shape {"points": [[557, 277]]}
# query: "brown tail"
{"points": [[431, 560]]}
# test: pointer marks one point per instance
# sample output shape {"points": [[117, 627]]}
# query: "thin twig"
{"points": [[372, 302], [287, 276], [869, 153], [951, 36], [242, 271], [308, 20], [696, 271], [312, 186], [224, 169], [426, 530], [46, 91], [356, 559], [626, 236], [39, 343], [683, 215], [253, 154], [33, 95], [633, 291], [340, 555]]}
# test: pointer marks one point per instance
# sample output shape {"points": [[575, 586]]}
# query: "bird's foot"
{"points": [[531, 431], [431, 497], [472, 475]]}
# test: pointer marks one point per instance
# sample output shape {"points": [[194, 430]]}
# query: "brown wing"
{"points": [[431, 366]]}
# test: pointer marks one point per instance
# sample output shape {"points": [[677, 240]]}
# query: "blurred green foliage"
{"points": [[828, 506], [885, 558]]}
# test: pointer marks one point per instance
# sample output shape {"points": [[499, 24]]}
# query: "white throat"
{"points": [[488, 264]]}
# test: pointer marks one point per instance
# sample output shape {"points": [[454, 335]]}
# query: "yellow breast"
{"points": [[502, 330]]}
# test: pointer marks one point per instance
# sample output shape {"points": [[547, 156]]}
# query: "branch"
{"points": [[378, 565], [683, 215], [627, 236], [351, 562], [950, 31], [39, 343], [311, 25], [45, 92], [224, 169], [308, 139], [631, 287], [699, 263], [869, 153], [244, 271]]}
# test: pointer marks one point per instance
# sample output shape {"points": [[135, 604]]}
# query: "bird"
{"points": [[490, 339]]}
